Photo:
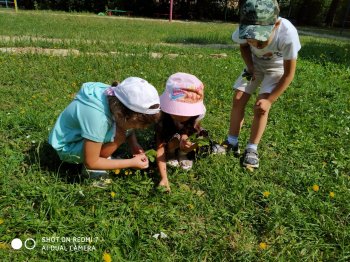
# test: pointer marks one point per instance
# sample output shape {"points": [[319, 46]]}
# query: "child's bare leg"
{"points": [[173, 144], [259, 122], [261, 112], [239, 101]]}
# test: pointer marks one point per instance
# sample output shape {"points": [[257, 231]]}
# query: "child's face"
{"points": [[258, 44], [180, 119], [262, 44]]}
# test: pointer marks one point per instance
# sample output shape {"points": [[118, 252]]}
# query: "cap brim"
{"points": [[180, 108], [256, 32]]}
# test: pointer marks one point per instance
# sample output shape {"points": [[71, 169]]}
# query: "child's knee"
{"points": [[240, 99]]}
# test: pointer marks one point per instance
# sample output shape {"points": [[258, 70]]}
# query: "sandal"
{"points": [[172, 160], [251, 158], [184, 162], [225, 147]]}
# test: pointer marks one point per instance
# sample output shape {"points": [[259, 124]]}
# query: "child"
{"points": [[269, 46], [96, 122], [182, 109]]}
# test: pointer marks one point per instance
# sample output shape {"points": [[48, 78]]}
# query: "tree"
{"points": [[332, 12]]}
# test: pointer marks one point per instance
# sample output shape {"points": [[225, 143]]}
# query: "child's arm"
{"points": [[161, 162], [108, 148], [286, 79], [263, 105], [93, 159]]}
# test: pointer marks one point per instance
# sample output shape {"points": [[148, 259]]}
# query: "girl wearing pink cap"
{"points": [[182, 109]]}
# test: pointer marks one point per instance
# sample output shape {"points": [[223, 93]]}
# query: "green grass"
{"points": [[215, 212]]}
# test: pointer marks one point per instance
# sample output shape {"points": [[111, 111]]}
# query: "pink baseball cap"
{"points": [[183, 95]]}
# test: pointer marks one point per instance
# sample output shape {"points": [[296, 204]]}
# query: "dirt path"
{"points": [[302, 32], [70, 51]]}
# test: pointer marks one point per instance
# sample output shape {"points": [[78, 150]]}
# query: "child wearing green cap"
{"points": [[269, 47]]}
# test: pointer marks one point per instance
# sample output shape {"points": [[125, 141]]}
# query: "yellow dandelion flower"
{"points": [[113, 194], [190, 206], [106, 257], [266, 193], [331, 194], [1, 221], [250, 168], [315, 188], [117, 171], [262, 245]]}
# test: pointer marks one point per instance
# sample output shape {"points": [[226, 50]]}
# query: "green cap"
{"points": [[257, 18]]}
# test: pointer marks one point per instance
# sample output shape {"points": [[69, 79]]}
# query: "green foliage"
{"points": [[151, 154], [199, 140], [218, 211]]}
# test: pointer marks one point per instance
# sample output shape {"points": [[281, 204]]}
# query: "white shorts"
{"points": [[267, 74]]}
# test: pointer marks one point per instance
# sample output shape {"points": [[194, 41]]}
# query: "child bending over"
{"points": [[96, 122], [269, 47]]}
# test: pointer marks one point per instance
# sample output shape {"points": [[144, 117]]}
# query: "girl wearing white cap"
{"points": [[182, 109], [94, 124]]}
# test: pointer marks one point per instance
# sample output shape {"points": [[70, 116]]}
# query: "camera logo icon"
{"points": [[17, 243]]}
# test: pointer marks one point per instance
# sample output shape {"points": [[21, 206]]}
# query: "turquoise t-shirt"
{"points": [[87, 117]]}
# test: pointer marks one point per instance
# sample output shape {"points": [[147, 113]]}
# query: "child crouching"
{"points": [[95, 124], [182, 110]]}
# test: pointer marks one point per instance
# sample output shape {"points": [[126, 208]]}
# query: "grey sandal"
{"points": [[251, 158]]}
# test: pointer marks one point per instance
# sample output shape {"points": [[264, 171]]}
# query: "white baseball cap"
{"points": [[138, 95]]}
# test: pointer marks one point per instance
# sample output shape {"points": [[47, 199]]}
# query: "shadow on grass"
{"points": [[47, 159], [323, 53]]}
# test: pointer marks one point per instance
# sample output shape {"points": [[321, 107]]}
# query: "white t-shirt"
{"points": [[285, 43]]}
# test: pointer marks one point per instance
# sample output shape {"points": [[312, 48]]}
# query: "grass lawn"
{"points": [[295, 207]]}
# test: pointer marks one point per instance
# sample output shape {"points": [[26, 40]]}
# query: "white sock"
{"points": [[233, 140], [252, 146]]}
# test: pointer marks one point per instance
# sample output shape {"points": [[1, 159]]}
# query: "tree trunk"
{"points": [[331, 12]]}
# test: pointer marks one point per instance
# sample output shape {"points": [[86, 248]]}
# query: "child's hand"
{"points": [[248, 74], [165, 183], [140, 161], [186, 146], [262, 106]]}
